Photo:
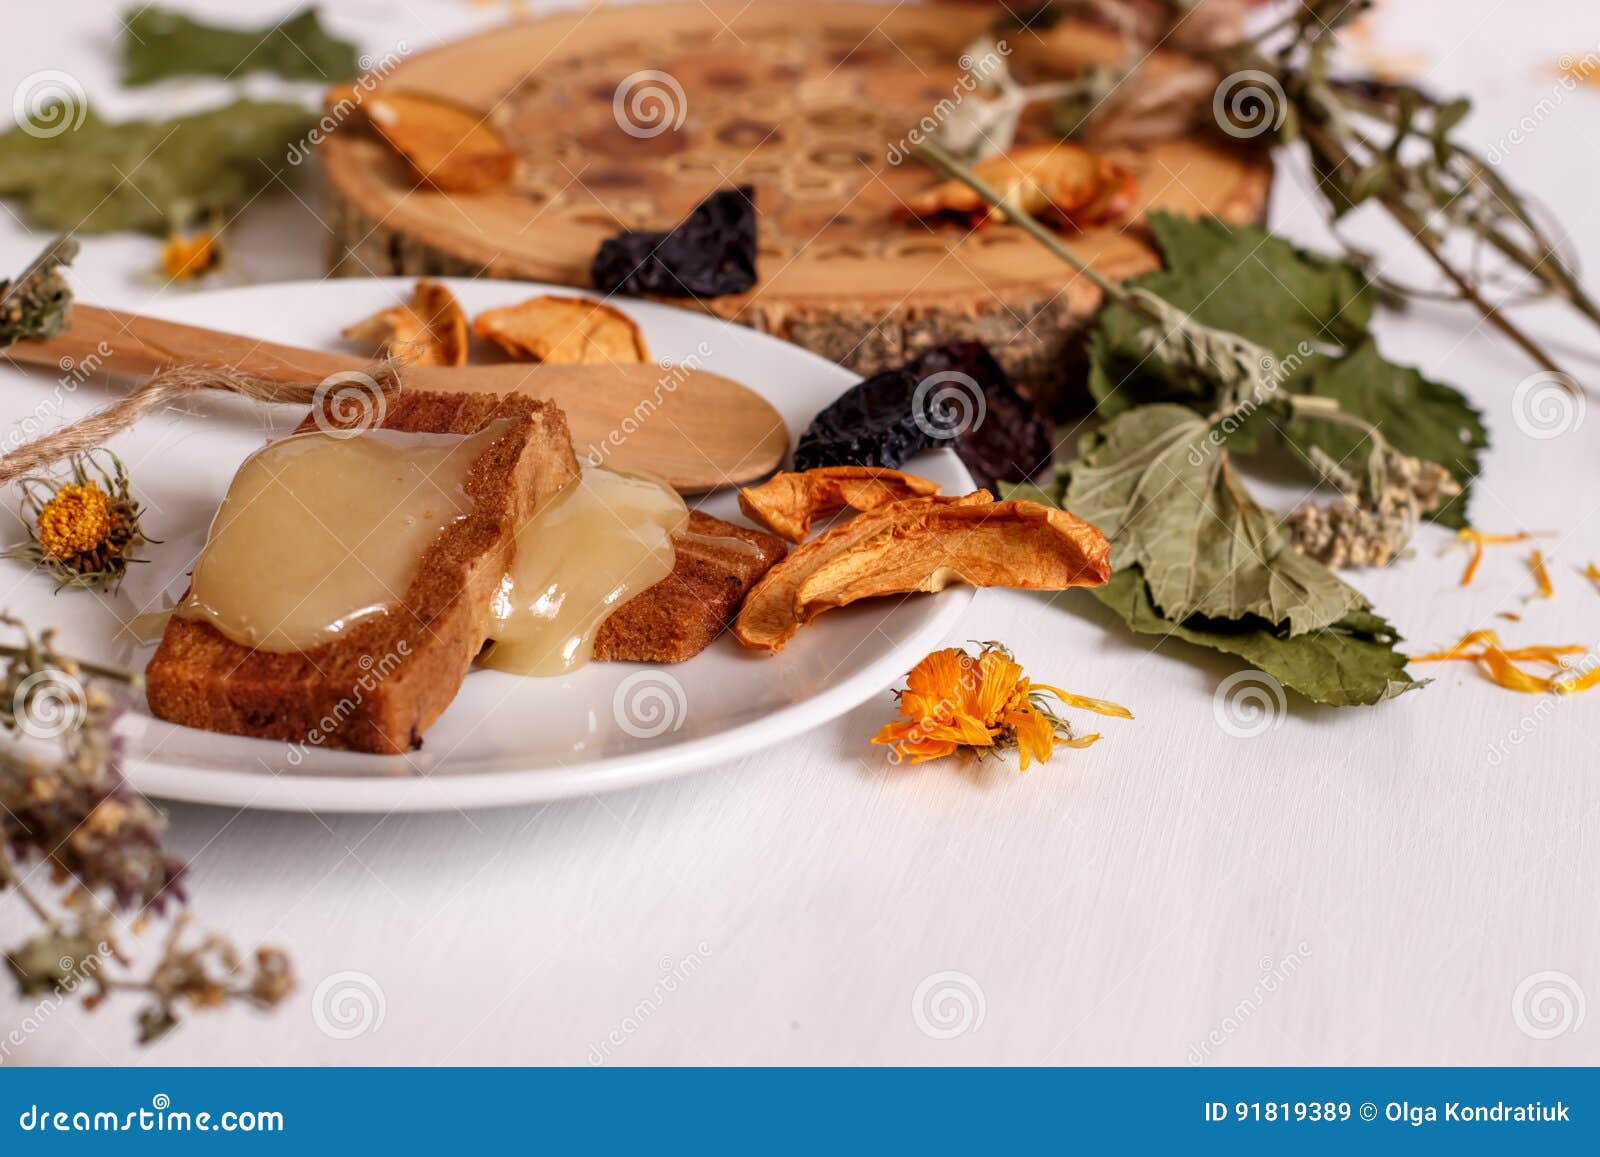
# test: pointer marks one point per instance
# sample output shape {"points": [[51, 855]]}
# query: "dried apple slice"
{"points": [[923, 544], [786, 503], [429, 330], [563, 331], [1059, 180], [452, 148]]}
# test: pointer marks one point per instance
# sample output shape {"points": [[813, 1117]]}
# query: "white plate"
{"points": [[506, 739]]}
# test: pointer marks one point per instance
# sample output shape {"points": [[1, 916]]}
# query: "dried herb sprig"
{"points": [[34, 306], [1388, 143], [1239, 367], [83, 530], [71, 817]]}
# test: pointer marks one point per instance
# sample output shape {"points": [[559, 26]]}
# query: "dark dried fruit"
{"points": [[954, 395], [711, 252]]}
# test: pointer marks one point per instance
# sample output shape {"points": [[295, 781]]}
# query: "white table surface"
{"points": [[1365, 886]]}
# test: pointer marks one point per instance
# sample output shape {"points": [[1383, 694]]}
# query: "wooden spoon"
{"points": [[698, 430]]}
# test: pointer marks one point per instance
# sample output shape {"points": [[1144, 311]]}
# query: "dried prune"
{"points": [[709, 253], [954, 395]]}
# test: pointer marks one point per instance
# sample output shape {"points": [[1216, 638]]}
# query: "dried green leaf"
{"points": [[50, 960], [154, 176], [155, 1022], [1349, 663], [1237, 278], [158, 43], [1419, 417], [1158, 482]]}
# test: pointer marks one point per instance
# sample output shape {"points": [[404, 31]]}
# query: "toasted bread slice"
{"points": [[379, 687], [716, 564]]}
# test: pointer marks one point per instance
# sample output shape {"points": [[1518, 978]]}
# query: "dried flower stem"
{"points": [[1238, 366]]}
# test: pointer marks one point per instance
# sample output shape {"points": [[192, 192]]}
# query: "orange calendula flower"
{"points": [[954, 700], [184, 258], [1592, 573]]}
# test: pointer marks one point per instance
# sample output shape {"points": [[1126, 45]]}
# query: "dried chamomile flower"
{"points": [[83, 531]]}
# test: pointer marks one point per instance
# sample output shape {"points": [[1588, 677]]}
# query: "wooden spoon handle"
{"points": [[111, 341]]}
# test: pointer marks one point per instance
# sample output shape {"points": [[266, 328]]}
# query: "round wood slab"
{"points": [[628, 117]]}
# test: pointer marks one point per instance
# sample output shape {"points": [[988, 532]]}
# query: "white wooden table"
{"points": [[1360, 886]]}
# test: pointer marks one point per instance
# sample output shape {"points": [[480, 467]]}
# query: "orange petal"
{"points": [[1098, 706], [1583, 682], [1036, 736], [1513, 678], [1541, 574], [998, 678]]}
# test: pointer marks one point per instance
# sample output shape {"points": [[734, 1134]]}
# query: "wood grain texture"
{"points": [[815, 114]]}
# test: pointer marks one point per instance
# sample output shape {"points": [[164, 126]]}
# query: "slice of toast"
{"points": [[715, 565], [379, 687]]}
